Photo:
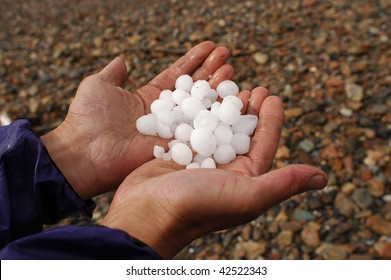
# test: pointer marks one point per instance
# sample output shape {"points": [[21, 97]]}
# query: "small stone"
{"points": [[284, 238], [246, 232], [261, 58], [362, 198], [379, 225], [376, 187], [307, 145], [310, 235], [383, 248], [292, 113], [345, 205], [335, 86], [248, 250], [354, 92], [348, 188], [386, 211], [332, 252], [283, 152], [300, 214]]}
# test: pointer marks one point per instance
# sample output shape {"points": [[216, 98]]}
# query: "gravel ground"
{"points": [[328, 60]]}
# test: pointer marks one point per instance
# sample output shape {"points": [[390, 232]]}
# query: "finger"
{"points": [[276, 186], [244, 97], [225, 72], [114, 73], [214, 61], [258, 95], [187, 64], [266, 137]]}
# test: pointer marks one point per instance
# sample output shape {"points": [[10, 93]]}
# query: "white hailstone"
{"points": [[205, 119], [223, 134], [193, 165], [191, 106], [200, 89], [184, 82], [215, 107], [165, 117], [198, 159], [203, 141], [183, 132], [212, 95], [229, 113], [166, 95], [241, 143], [179, 95], [207, 102], [172, 142], [147, 124], [164, 131], [181, 154], [224, 154], [208, 163], [178, 114], [246, 124], [167, 156], [236, 100], [161, 105], [226, 88], [158, 151]]}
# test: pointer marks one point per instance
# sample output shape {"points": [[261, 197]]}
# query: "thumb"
{"points": [[115, 72], [281, 184]]}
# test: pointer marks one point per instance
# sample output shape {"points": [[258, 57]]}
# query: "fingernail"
{"points": [[317, 182]]}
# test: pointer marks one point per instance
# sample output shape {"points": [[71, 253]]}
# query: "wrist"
{"points": [[144, 222], [67, 152]]}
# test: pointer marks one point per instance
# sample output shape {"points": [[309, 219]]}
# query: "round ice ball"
{"points": [[205, 119], [193, 165], [236, 100], [181, 154], [198, 159], [223, 134], [158, 151], [224, 154], [241, 143], [200, 89], [183, 132], [203, 141], [179, 95], [165, 117], [161, 105], [246, 124], [208, 163], [184, 82], [164, 131], [229, 113], [191, 106], [226, 88], [166, 95], [147, 124]]}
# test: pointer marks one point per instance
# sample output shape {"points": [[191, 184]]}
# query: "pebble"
{"points": [[362, 198], [379, 225], [310, 235], [332, 252]]}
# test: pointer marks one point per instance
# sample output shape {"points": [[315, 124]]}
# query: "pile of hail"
{"points": [[204, 130]]}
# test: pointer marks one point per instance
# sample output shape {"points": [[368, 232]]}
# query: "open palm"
{"points": [[167, 207], [101, 119]]}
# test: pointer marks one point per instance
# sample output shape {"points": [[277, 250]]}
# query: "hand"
{"points": [[97, 145], [167, 207]]}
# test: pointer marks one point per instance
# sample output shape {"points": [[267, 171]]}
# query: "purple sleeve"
{"points": [[33, 192]]}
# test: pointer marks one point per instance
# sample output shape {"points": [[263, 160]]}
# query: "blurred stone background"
{"points": [[328, 60]]}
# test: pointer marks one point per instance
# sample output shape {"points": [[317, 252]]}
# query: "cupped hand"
{"points": [[167, 207], [97, 145]]}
